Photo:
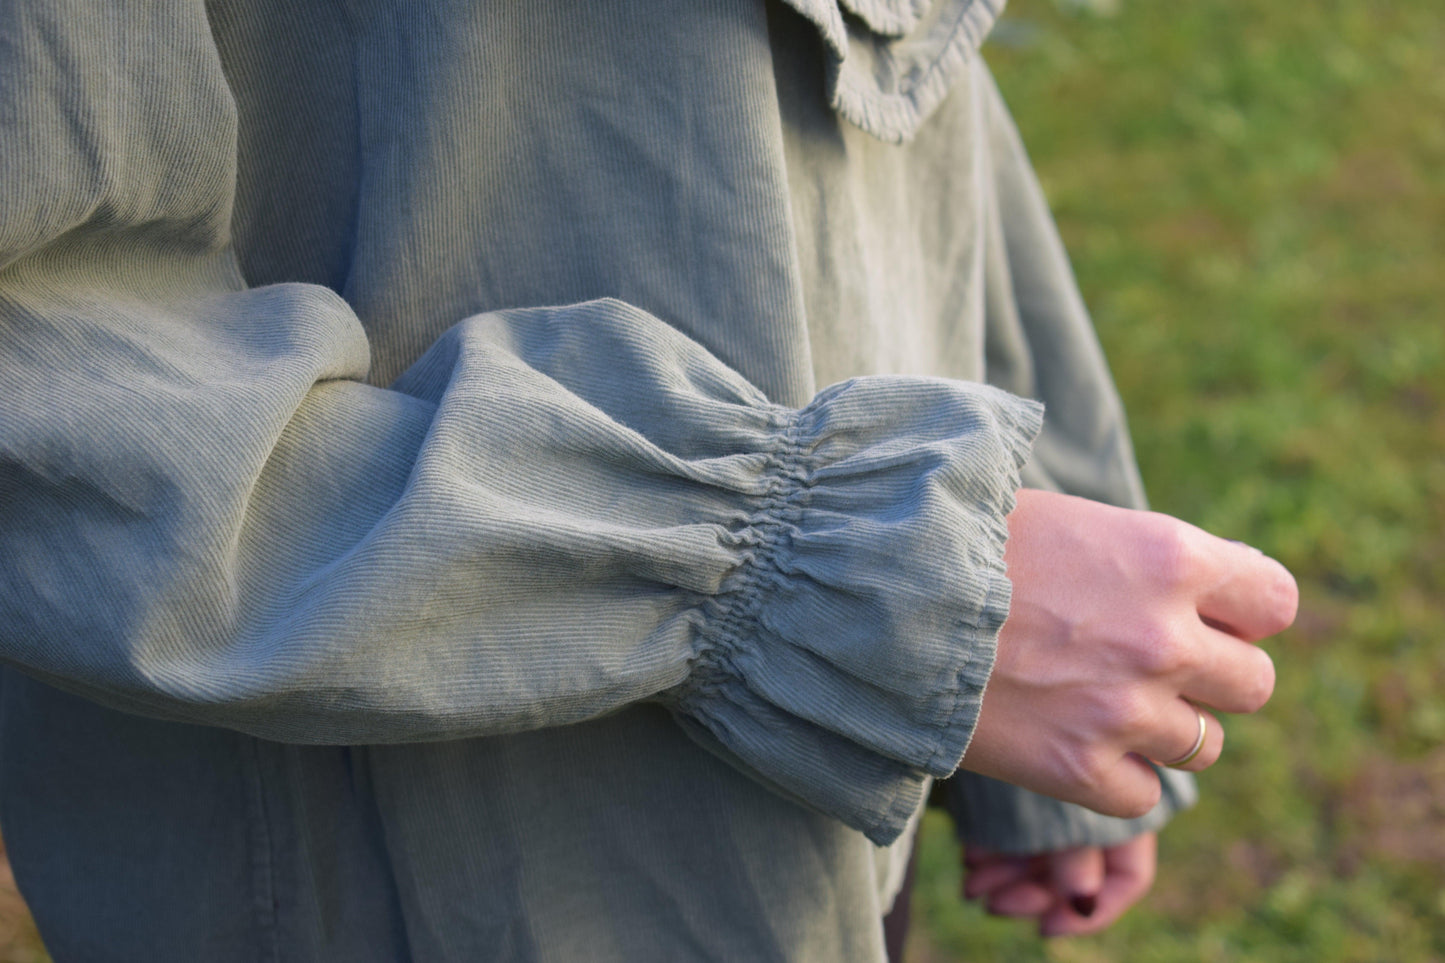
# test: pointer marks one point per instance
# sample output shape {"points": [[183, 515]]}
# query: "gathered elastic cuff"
{"points": [[1013, 820], [844, 659]]}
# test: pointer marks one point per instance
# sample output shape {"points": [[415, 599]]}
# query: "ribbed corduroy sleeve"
{"points": [[208, 515]]}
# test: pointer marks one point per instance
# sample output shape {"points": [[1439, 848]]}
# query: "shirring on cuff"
{"points": [[861, 621]]}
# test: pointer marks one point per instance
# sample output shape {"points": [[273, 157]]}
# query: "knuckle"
{"points": [[1164, 649], [1171, 555], [1130, 711]]}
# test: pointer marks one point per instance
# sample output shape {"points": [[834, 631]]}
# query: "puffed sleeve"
{"points": [[208, 514]]}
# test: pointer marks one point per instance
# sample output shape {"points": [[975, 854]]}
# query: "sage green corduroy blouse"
{"points": [[422, 534]]}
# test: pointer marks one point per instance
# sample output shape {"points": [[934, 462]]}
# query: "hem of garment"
{"points": [[883, 20]]}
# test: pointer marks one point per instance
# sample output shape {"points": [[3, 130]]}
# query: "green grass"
{"points": [[1254, 197]]}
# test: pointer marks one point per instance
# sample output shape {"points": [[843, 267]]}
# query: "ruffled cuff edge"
{"points": [[807, 721]]}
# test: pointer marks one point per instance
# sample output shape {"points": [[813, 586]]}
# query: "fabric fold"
{"points": [[371, 610], [555, 513], [868, 608]]}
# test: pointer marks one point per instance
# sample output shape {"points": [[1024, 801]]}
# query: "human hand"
{"points": [[1069, 892], [1120, 620]]}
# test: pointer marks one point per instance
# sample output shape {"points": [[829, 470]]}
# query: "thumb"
{"points": [[1077, 876]]}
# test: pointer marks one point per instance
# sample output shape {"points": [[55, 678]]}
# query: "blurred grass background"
{"points": [[1253, 193]]}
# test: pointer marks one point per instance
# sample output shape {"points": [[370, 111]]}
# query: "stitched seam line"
{"points": [[731, 619], [263, 869]]}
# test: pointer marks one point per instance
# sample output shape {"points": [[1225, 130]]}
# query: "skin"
{"points": [[1122, 623], [1052, 888]]}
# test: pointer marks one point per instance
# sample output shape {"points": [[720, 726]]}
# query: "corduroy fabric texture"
{"points": [[399, 616]]}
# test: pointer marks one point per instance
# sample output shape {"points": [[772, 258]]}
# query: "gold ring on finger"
{"points": [[1198, 743]]}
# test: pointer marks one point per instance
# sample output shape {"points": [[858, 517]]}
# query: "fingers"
{"points": [[1013, 885], [1117, 618], [989, 871], [1074, 891], [1009, 884], [1188, 728], [1239, 596], [1026, 897], [1119, 778], [1077, 875], [1128, 874], [1128, 788], [1230, 675], [1246, 593]]}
